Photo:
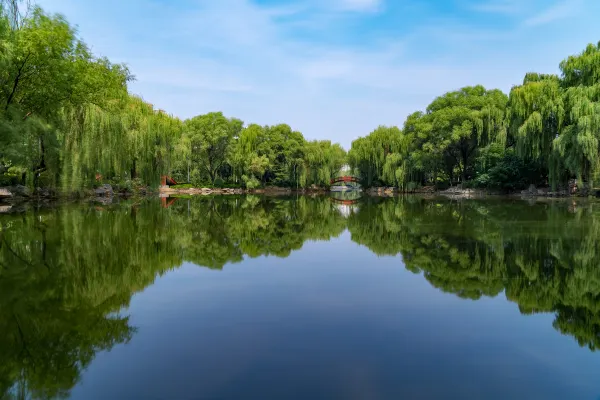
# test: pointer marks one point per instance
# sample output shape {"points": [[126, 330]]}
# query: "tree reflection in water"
{"points": [[67, 274]]}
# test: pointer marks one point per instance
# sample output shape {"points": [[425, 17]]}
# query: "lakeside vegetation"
{"points": [[68, 122], [545, 132], [66, 118]]}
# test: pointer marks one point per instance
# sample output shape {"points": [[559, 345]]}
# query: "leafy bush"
{"points": [[122, 186], [410, 186], [251, 182], [509, 173], [196, 178], [470, 184], [219, 182], [442, 184]]}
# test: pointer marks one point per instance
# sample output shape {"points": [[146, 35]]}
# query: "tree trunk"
{"points": [[41, 167], [465, 157], [133, 171]]}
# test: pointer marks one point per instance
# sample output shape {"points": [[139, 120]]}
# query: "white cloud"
{"points": [[499, 6], [360, 5], [561, 10]]}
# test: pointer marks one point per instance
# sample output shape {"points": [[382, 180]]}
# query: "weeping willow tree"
{"points": [[127, 140], [93, 143], [368, 155], [535, 114], [556, 119], [446, 138], [322, 162], [462, 122], [578, 144], [151, 137], [398, 169], [267, 155]]}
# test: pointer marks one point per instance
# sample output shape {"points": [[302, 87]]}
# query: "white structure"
{"points": [[346, 209]]}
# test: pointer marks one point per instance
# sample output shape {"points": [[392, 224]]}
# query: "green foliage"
{"points": [[368, 156], [549, 127], [183, 186], [503, 169], [66, 116], [210, 136], [218, 183], [556, 119], [250, 182], [443, 142]]}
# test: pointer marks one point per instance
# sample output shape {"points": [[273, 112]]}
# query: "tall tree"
{"points": [[464, 120], [210, 137]]}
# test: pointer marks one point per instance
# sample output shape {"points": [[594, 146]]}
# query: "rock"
{"points": [[104, 191], [104, 200], [531, 191], [278, 189], [43, 193], [425, 189], [572, 186], [20, 191], [5, 209], [4, 192]]}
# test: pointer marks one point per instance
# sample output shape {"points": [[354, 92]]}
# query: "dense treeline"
{"points": [[214, 149], [546, 131], [67, 121]]}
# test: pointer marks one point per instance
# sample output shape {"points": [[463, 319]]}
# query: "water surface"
{"points": [[298, 298]]}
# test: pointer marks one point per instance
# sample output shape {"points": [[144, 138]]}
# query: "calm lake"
{"points": [[246, 297]]}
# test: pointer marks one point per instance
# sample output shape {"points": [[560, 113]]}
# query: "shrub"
{"points": [[196, 178], [251, 182], [509, 173], [219, 182], [410, 186]]}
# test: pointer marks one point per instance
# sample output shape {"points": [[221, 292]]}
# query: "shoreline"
{"points": [[11, 197]]}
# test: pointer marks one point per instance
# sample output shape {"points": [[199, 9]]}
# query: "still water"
{"points": [[301, 298]]}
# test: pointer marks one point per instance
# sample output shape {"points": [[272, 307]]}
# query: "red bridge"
{"points": [[345, 179], [344, 202], [167, 180]]}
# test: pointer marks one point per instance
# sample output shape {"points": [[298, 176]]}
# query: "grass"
{"points": [[183, 186]]}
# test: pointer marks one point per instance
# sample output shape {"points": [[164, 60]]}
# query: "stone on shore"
{"points": [[104, 191]]}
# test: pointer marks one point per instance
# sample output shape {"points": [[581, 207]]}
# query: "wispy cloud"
{"points": [[558, 11], [360, 5], [499, 6]]}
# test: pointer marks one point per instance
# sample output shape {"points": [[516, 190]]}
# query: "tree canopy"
{"points": [[545, 132], [68, 121]]}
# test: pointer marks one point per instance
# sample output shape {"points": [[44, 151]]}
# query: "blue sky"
{"points": [[332, 69]]}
